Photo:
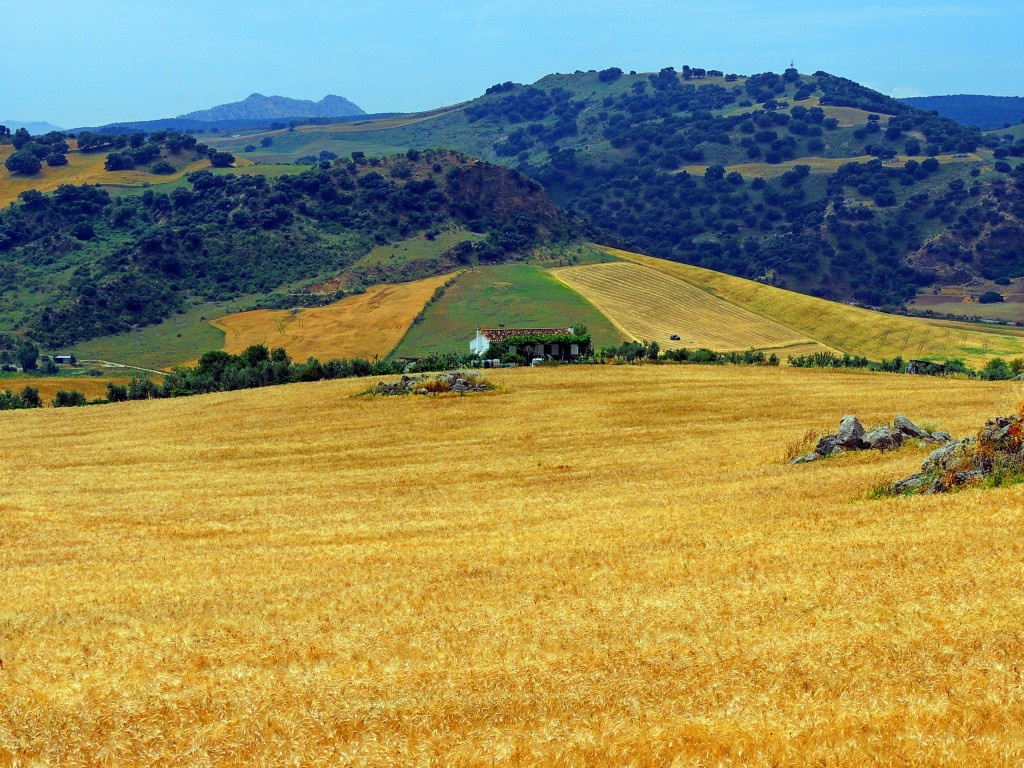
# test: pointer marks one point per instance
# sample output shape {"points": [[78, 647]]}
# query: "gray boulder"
{"points": [[826, 445], [911, 483], [941, 458], [883, 439], [941, 437], [909, 428], [848, 438], [850, 433]]}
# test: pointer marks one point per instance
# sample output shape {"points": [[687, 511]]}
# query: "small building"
{"points": [[925, 368], [536, 342], [64, 359]]}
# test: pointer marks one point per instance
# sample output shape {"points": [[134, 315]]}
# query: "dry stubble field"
{"points": [[365, 325], [605, 566]]}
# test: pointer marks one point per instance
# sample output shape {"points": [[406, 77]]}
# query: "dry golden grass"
{"points": [[595, 566], [82, 169], [89, 386], [648, 305], [365, 325], [820, 164], [849, 329]]}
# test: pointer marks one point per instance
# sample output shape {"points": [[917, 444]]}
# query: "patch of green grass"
{"points": [[415, 249], [573, 255], [270, 170], [179, 339], [510, 295]]}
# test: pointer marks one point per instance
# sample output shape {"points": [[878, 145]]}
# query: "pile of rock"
{"points": [[853, 437], [456, 381], [997, 453]]}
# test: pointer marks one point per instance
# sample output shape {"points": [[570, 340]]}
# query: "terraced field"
{"points": [[651, 306], [370, 324], [849, 329]]}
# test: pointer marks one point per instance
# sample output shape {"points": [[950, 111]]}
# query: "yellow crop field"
{"points": [[849, 329], [366, 325], [83, 169], [91, 387], [648, 305], [593, 566]]}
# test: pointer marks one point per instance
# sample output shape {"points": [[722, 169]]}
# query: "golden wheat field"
{"points": [[365, 325], [48, 386], [592, 566], [848, 329], [648, 305]]}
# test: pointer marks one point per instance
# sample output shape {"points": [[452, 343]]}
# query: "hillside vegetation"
{"points": [[88, 168], [592, 566], [986, 112], [811, 182], [81, 264]]}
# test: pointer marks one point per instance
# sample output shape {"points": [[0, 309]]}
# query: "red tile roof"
{"points": [[500, 334]]}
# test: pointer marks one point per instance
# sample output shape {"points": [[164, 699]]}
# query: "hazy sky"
{"points": [[88, 62]]}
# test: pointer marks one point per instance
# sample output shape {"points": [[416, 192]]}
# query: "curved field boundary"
{"points": [[651, 306], [368, 325], [845, 328]]}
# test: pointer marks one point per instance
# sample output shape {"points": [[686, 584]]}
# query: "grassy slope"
{"points": [[514, 295], [416, 249], [595, 566], [175, 341], [850, 329], [367, 325]]}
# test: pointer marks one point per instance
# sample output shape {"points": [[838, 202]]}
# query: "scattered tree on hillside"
{"points": [[220, 159], [24, 162]]}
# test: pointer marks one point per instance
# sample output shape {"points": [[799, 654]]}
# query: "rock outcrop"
{"points": [[852, 437], [456, 381], [996, 454]]}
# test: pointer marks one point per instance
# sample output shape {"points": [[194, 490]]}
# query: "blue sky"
{"points": [[87, 62]]}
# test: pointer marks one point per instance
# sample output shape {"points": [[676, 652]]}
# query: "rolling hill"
{"points": [[985, 112], [805, 182], [81, 264], [811, 182]]}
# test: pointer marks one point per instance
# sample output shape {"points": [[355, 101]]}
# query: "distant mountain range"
{"points": [[260, 107], [986, 112], [36, 128]]}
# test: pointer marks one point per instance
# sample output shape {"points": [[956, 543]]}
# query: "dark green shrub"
{"points": [[72, 399]]}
